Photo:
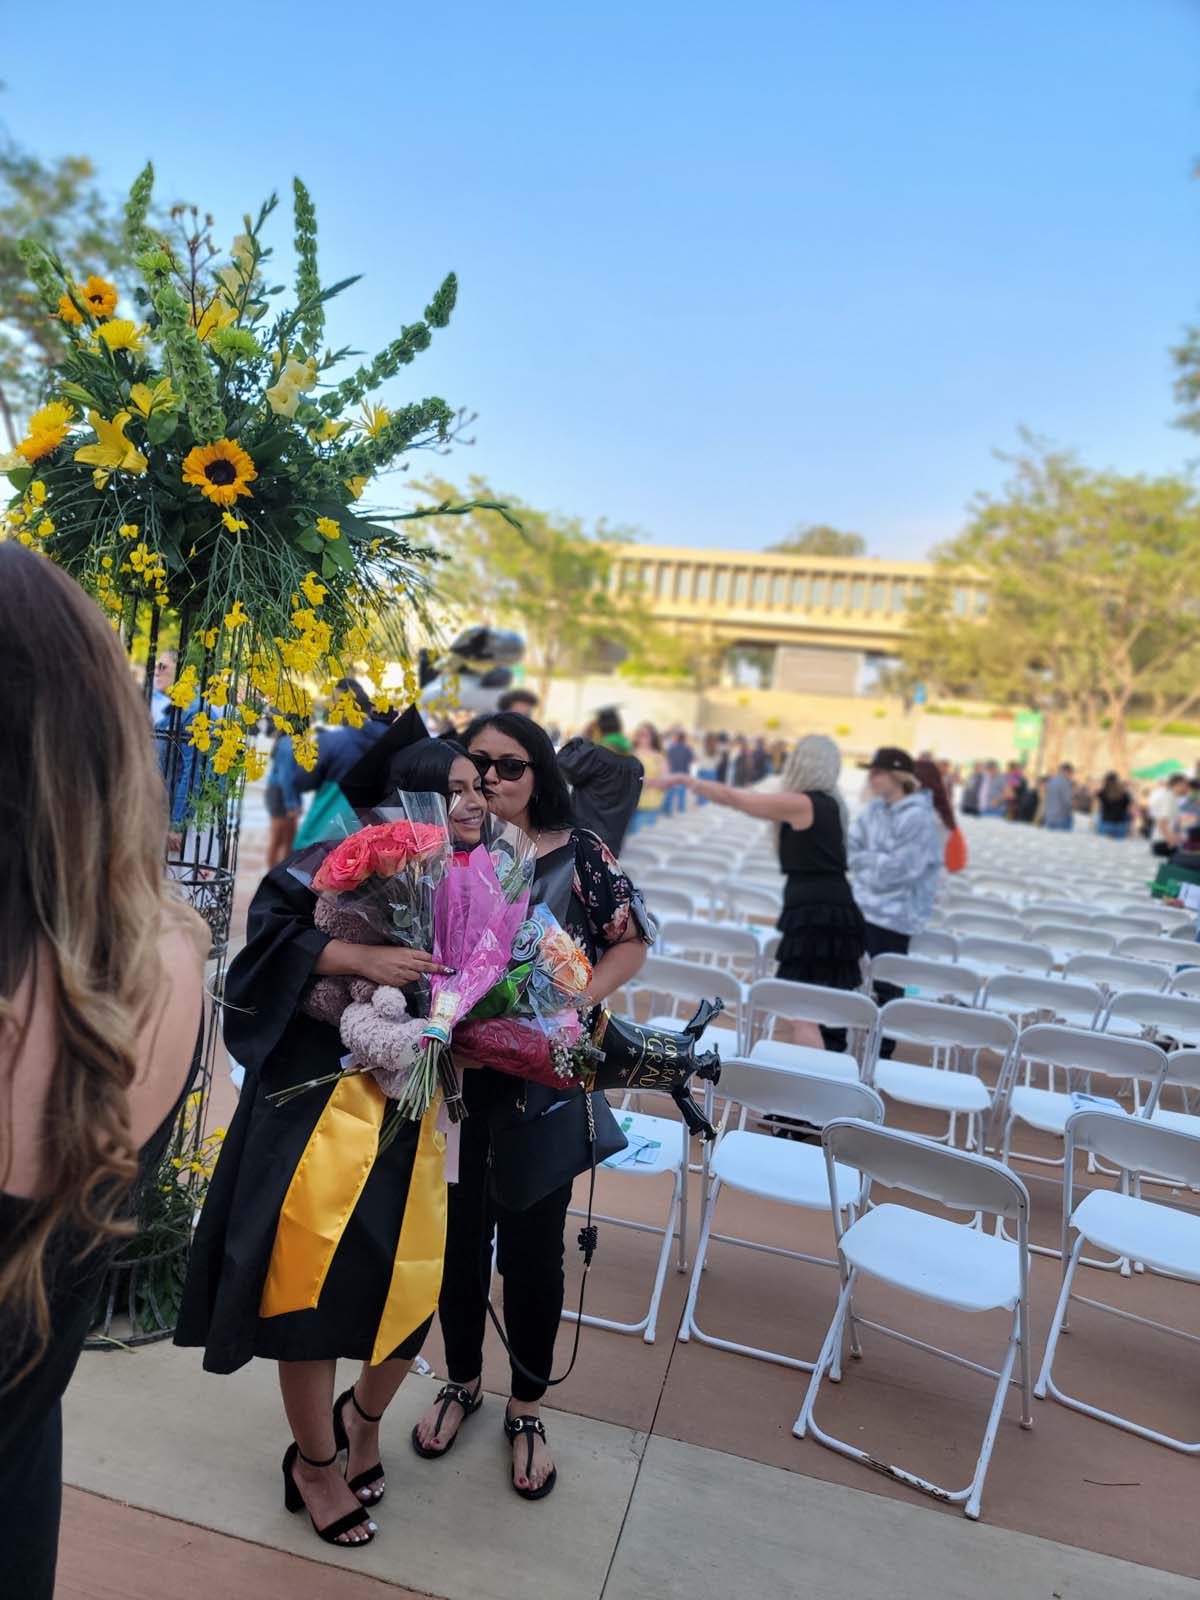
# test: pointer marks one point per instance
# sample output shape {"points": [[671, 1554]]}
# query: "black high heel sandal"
{"points": [[294, 1501], [451, 1394], [341, 1438], [514, 1427]]}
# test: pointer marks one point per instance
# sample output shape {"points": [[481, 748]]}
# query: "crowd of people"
{"points": [[1161, 812]]}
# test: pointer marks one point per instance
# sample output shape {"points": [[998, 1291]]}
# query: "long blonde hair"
{"points": [[815, 763], [83, 908]]}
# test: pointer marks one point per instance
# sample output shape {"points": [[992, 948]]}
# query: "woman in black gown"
{"points": [[279, 1045], [577, 877], [820, 925], [101, 973]]}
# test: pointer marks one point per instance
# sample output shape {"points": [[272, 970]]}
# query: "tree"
{"points": [[1091, 609], [60, 204], [544, 574], [819, 539]]}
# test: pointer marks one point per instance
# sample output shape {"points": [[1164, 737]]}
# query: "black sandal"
{"points": [[294, 1501], [451, 1394], [341, 1438], [514, 1427]]}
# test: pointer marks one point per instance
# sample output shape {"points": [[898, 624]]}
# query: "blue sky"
{"points": [[723, 268]]}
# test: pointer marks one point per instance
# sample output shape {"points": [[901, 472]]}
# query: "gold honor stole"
{"points": [[321, 1198]]}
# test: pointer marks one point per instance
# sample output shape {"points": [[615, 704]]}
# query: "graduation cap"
{"points": [[369, 781]]}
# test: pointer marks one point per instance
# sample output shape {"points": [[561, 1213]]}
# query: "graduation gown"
{"points": [[278, 1045]]}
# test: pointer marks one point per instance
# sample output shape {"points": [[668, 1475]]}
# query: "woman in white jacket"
{"points": [[895, 854]]}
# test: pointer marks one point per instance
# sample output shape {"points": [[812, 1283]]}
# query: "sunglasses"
{"points": [[510, 768]]}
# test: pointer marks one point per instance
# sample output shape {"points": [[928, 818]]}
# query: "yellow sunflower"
{"points": [[121, 334], [68, 311], [47, 430], [101, 297], [221, 471]]}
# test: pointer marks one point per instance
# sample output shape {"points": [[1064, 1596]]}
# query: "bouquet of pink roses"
{"points": [[479, 904]]}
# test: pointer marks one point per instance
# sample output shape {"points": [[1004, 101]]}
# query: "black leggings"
{"points": [[885, 941], [529, 1257]]}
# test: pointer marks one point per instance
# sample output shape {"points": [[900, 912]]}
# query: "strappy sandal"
{"points": [[341, 1438], [294, 1501], [514, 1427], [451, 1394]]}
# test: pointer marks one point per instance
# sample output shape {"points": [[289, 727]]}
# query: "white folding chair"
{"points": [[1142, 947], [1022, 996], [1079, 1053], [743, 902], [1126, 927], [933, 980], [989, 956], [684, 984], [775, 1169], [712, 943], [657, 1146], [701, 886], [934, 945], [964, 923], [1067, 939], [1186, 981], [1168, 1019], [774, 1000], [1163, 1237], [949, 1263], [665, 903], [1114, 973], [1183, 1073], [947, 1031]]}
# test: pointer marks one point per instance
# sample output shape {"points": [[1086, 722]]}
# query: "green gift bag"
{"points": [[1168, 879], [331, 816]]}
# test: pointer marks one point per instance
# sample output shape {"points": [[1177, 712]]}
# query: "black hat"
{"points": [[888, 758], [368, 783]]}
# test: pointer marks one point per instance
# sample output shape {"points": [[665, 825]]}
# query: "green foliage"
{"points": [[188, 364], [398, 354], [308, 279], [547, 575], [819, 539], [1091, 614], [58, 205], [137, 235]]}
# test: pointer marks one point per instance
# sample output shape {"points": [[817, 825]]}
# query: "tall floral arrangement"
{"points": [[198, 467]]}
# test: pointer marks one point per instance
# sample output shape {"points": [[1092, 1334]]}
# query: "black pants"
{"points": [[529, 1257], [30, 1508], [879, 942]]}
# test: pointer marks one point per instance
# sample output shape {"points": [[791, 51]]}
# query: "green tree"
{"points": [[544, 574], [60, 204], [1091, 610], [819, 539]]}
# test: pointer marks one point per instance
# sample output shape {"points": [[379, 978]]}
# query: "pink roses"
{"points": [[382, 851]]}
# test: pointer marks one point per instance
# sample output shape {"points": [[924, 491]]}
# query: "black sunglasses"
{"points": [[510, 768]]}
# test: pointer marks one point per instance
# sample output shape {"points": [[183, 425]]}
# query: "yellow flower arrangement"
{"points": [[47, 430]]}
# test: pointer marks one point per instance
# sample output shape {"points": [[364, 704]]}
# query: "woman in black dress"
{"points": [[820, 925], [578, 878], [101, 972], [279, 1045]]}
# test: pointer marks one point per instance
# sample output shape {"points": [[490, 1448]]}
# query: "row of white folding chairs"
{"points": [[1132, 916], [947, 1263], [1063, 939]]}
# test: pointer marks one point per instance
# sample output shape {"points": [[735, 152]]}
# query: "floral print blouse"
{"points": [[604, 899]]}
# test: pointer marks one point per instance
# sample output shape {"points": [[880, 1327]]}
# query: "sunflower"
{"points": [[120, 334], [101, 297], [47, 430], [221, 471], [68, 311]]}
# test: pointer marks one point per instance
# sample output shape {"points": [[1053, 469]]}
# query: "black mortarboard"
{"points": [[369, 782]]}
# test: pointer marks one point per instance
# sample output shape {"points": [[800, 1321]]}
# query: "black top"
{"points": [[814, 859], [1114, 810], [605, 787], [72, 1287]]}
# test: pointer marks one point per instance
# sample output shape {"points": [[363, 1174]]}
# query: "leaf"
{"points": [[312, 541], [329, 566], [21, 478], [160, 426]]}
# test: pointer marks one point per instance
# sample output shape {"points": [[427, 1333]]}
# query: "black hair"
{"points": [[607, 721], [424, 767], [512, 698], [550, 804]]}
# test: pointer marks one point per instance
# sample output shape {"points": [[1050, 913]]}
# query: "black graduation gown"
{"points": [[278, 1045]]}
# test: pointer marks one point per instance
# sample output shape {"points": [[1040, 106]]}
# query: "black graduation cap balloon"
{"points": [[368, 783], [631, 1055]]}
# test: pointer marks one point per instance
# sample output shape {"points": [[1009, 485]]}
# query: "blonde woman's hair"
{"points": [[84, 905], [815, 763]]}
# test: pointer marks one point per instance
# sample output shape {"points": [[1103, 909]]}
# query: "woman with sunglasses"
{"points": [[581, 882]]}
